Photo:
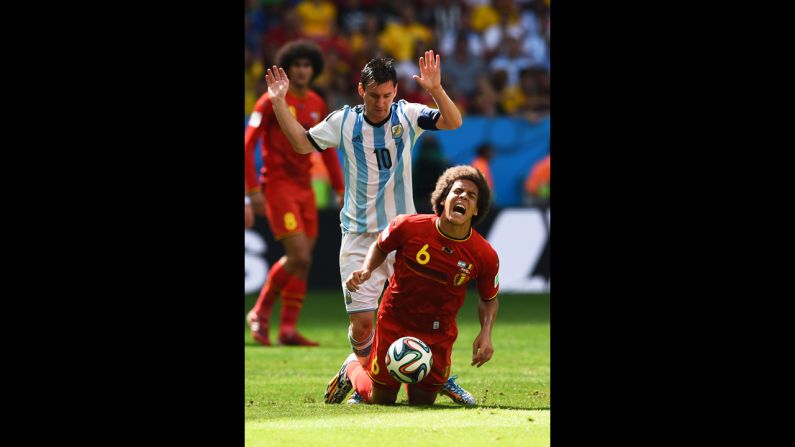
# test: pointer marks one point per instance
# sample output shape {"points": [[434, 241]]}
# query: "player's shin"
{"points": [[361, 348]]}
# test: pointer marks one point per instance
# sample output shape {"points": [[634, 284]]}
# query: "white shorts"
{"points": [[353, 250]]}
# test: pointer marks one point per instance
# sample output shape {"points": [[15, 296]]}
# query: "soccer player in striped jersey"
{"points": [[376, 139]]}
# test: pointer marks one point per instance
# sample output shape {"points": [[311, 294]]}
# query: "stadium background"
{"points": [[495, 67]]}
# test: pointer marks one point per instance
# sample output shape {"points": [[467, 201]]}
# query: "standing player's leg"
{"points": [[259, 315], [299, 259], [291, 219], [362, 304], [298, 249]]}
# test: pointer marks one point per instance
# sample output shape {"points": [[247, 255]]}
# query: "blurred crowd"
{"points": [[495, 53]]}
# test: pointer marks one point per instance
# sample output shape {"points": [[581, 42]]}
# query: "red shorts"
{"points": [[290, 209], [441, 343]]}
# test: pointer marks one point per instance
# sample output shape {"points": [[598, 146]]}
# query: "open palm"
{"points": [[430, 71], [277, 82]]}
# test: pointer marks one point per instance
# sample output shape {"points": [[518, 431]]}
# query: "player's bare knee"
{"points": [[383, 396], [361, 330], [420, 397], [299, 262]]}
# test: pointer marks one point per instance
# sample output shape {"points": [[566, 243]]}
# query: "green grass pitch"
{"points": [[284, 385]]}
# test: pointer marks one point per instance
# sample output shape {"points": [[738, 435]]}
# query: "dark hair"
{"points": [[301, 49], [379, 70], [462, 172]]}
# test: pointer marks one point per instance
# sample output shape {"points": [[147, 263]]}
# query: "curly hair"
{"points": [[462, 172], [301, 49]]}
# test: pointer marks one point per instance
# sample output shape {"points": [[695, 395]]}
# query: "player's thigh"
{"points": [[283, 210], [353, 251], [309, 215]]}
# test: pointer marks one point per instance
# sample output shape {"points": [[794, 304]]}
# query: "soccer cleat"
{"points": [[457, 394], [356, 398], [295, 339], [340, 385], [259, 329]]}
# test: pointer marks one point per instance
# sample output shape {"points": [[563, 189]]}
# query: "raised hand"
{"points": [[277, 82], [430, 71]]}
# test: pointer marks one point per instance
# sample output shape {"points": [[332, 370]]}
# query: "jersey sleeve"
{"points": [[489, 277], [420, 115], [327, 133], [260, 118], [394, 234]]}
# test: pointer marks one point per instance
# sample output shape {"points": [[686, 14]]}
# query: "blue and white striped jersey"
{"points": [[377, 159]]}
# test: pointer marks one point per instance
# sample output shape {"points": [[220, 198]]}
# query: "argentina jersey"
{"points": [[377, 161]]}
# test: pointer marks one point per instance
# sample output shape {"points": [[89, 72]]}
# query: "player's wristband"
{"points": [[248, 200]]}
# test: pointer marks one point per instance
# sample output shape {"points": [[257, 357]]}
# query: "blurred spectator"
{"points": [[484, 154], [535, 35], [428, 166], [463, 69], [353, 14], [335, 67], [536, 188], [448, 21], [364, 44], [507, 26], [400, 38], [538, 104], [499, 82], [337, 42], [340, 93], [287, 30], [316, 17], [484, 15], [448, 43], [511, 60], [486, 99], [531, 97], [254, 84]]}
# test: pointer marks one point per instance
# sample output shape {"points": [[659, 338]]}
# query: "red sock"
{"points": [[292, 301], [277, 278], [362, 383]]}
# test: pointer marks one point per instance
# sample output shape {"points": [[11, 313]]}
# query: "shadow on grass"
{"points": [[461, 407]]}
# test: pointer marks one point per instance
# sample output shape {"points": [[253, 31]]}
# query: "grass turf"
{"points": [[284, 385]]}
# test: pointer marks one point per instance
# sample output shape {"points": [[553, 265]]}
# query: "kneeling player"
{"points": [[436, 256]]}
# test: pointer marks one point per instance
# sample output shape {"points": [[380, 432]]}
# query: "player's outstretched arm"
{"points": [[278, 84], [482, 349], [431, 80], [375, 257]]}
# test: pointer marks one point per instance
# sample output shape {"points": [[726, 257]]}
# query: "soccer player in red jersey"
{"points": [[285, 193], [436, 256]]}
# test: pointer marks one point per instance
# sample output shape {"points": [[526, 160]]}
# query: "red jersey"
{"points": [[280, 161], [432, 272]]}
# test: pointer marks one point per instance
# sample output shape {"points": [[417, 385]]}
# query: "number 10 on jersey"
{"points": [[383, 157]]}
